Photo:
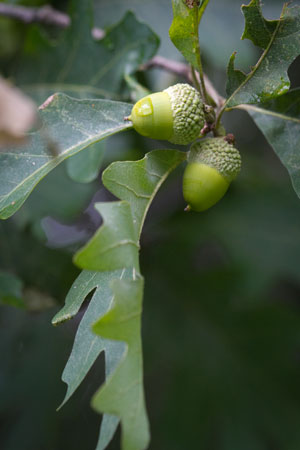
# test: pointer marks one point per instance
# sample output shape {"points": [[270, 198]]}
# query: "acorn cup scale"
{"points": [[213, 163], [175, 114]]}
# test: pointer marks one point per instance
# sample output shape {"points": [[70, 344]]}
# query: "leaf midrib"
{"points": [[157, 187], [259, 62], [54, 162], [268, 112]]}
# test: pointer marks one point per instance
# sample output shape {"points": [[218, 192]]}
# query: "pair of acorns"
{"points": [[177, 115]]}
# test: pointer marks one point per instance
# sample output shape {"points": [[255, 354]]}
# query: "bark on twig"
{"points": [[169, 65], [44, 15], [184, 71]]}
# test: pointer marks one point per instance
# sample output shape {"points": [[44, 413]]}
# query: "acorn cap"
{"points": [[188, 113], [175, 114], [218, 154], [152, 116]]}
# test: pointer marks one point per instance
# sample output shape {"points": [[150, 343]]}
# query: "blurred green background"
{"points": [[221, 323]]}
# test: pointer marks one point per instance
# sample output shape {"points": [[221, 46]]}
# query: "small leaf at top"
{"points": [[281, 43], [182, 30]]}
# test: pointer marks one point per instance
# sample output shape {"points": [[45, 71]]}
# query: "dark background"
{"points": [[221, 323]]}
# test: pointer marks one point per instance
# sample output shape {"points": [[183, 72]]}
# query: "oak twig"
{"points": [[183, 70], [44, 15]]}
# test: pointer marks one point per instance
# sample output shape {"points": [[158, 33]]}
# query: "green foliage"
{"points": [[72, 125], [180, 30], [184, 29], [43, 201], [118, 238], [92, 69], [123, 393], [87, 347], [85, 167], [259, 30], [114, 245], [73, 129], [138, 182], [279, 120], [143, 179], [280, 41]]}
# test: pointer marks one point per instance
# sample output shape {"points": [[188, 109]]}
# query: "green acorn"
{"points": [[175, 114], [212, 164]]}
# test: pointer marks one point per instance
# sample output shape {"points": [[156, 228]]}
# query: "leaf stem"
{"points": [[219, 116], [197, 49], [195, 79], [202, 9]]}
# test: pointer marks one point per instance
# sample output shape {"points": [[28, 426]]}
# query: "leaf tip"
{"points": [[47, 102], [58, 320]]}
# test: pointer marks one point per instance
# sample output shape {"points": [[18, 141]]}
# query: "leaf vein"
{"points": [[119, 183], [267, 112]]}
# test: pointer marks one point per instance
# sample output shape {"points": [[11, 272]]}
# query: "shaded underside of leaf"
{"points": [[70, 125], [108, 428], [138, 181], [84, 167], [114, 245], [87, 346], [123, 394], [279, 121], [281, 43]]}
